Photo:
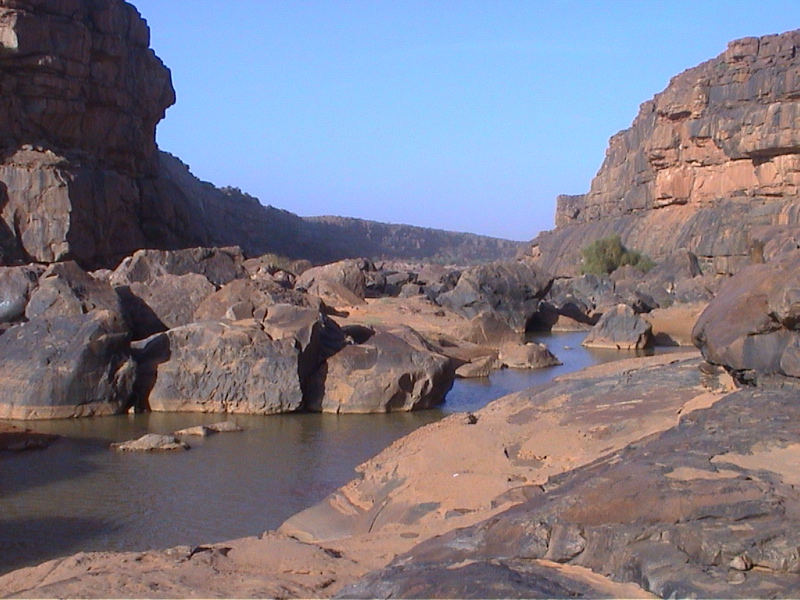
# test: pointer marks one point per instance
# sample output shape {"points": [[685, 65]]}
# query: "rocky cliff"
{"points": [[711, 164], [81, 176], [80, 99]]}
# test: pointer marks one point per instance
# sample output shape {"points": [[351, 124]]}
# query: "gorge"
{"points": [[136, 299]]}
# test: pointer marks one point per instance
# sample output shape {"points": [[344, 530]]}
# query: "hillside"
{"points": [[227, 216]]}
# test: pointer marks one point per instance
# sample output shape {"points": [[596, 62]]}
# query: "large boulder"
{"points": [[16, 286], [347, 273], [620, 329], [215, 366], [509, 290], [526, 356], [751, 326], [389, 372], [218, 265], [165, 302], [66, 366], [66, 289]]}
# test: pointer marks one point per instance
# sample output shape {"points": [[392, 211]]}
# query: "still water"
{"points": [[77, 495]]}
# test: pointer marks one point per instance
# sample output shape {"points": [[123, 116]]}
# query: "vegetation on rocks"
{"points": [[606, 255]]}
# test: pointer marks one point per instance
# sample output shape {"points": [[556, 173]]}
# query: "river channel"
{"points": [[77, 495]]}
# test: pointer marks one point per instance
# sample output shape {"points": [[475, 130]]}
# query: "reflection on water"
{"points": [[77, 495]]}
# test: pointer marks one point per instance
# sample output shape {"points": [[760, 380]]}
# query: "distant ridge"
{"points": [[227, 216]]}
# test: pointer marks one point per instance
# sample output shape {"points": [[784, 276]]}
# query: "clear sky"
{"points": [[461, 115]]}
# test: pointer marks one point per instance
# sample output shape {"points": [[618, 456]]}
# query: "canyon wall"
{"points": [[81, 177], [80, 98], [711, 164]]}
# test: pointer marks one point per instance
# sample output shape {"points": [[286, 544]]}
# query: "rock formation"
{"points": [[711, 164], [81, 96], [751, 325]]}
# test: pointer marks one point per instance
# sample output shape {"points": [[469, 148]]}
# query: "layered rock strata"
{"points": [[81, 96], [711, 164]]}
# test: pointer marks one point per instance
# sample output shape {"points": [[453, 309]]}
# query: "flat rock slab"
{"points": [[706, 509], [270, 566], [151, 442]]}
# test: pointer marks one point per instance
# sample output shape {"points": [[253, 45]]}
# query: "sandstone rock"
{"points": [[249, 299], [206, 430], [213, 366], [672, 513], [16, 286], [16, 439], [511, 291], [165, 302], [349, 274], [151, 442], [66, 366], [478, 367], [620, 328], [751, 325], [526, 356], [710, 165], [66, 289], [673, 326], [386, 373], [487, 329]]}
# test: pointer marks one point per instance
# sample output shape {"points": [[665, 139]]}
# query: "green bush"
{"points": [[606, 255]]}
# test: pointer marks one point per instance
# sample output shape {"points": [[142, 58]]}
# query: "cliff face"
{"points": [[711, 164], [81, 176], [80, 99]]}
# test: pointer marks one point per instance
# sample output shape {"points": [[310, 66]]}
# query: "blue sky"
{"points": [[460, 115]]}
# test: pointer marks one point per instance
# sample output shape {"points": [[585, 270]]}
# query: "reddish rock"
{"points": [[710, 165], [526, 356], [81, 96], [248, 299], [750, 327]]}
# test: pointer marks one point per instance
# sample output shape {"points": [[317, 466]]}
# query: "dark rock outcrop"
{"points": [[66, 366], [218, 265], [16, 286], [511, 291], [66, 289], [82, 93], [709, 165], [164, 302], [213, 366], [621, 329], [391, 371]]}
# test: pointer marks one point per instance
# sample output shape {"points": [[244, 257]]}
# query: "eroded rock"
{"points": [[66, 366]]}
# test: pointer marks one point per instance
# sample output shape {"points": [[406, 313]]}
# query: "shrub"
{"points": [[606, 255]]}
